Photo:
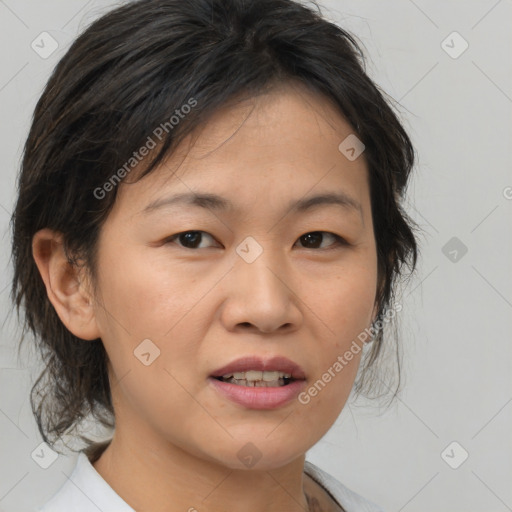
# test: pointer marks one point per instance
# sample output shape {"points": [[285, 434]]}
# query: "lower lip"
{"points": [[259, 398]]}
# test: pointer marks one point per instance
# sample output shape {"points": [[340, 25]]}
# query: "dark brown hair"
{"points": [[130, 72]]}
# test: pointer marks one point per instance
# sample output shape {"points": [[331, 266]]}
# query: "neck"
{"points": [[162, 477]]}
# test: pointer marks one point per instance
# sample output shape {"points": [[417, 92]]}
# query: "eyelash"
{"points": [[339, 241]]}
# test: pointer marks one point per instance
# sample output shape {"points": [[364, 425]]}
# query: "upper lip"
{"points": [[278, 363]]}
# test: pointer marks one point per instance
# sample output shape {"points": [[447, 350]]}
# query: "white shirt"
{"points": [[87, 491]]}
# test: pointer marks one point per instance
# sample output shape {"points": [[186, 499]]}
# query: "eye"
{"points": [[189, 239], [193, 239], [311, 240]]}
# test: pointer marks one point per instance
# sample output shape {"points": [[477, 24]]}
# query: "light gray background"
{"points": [[457, 314]]}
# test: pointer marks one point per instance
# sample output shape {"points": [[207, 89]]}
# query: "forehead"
{"points": [[288, 115], [285, 139]]}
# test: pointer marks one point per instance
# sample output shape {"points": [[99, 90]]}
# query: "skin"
{"points": [[176, 439]]}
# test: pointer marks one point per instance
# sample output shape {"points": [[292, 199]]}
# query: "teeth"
{"points": [[257, 378], [257, 383], [255, 375]]}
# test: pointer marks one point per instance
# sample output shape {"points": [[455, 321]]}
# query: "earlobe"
{"points": [[65, 284]]}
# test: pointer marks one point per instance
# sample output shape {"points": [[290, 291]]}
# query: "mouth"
{"points": [[256, 383], [258, 378], [254, 371]]}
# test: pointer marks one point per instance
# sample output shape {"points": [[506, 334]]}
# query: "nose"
{"points": [[261, 296]]}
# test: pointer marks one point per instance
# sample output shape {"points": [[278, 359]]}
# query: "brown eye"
{"points": [[315, 238], [189, 239]]}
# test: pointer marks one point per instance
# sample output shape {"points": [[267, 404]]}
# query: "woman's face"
{"points": [[256, 278]]}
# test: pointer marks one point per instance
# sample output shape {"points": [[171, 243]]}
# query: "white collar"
{"points": [[86, 491]]}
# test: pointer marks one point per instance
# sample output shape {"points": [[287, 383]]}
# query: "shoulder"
{"points": [[348, 499], [84, 491]]}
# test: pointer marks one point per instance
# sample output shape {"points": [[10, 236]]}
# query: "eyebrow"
{"points": [[219, 203]]}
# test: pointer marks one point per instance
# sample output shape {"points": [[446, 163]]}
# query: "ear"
{"points": [[66, 285]]}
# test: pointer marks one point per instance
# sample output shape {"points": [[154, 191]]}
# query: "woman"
{"points": [[206, 240]]}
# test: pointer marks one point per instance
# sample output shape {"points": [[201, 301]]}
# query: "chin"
{"points": [[251, 454]]}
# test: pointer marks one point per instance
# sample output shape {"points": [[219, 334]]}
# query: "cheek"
{"points": [[322, 401], [153, 392], [344, 304], [143, 298], [141, 301], [345, 300]]}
